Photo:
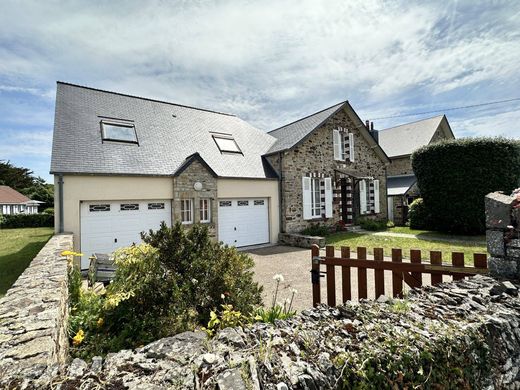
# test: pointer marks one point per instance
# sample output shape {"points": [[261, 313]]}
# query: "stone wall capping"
{"points": [[301, 240]]}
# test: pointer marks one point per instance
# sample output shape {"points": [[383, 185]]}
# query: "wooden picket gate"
{"points": [[407, 272]]}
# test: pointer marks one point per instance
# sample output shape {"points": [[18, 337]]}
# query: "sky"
{"points": [[269, 62]]}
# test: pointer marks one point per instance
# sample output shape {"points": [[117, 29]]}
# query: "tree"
{"points": [[23, 180]]}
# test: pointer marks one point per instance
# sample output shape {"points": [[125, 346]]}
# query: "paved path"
{"points": [[426, 237], [295, 265]]}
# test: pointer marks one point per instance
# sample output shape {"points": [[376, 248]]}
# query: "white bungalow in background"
{"points": [[12, 202]]}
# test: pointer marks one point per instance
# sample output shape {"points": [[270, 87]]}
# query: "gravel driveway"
{"points": [[295, 265]]}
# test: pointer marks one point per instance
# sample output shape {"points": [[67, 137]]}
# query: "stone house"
{"points": [[123, 164], [399, 143], [331, 169]]}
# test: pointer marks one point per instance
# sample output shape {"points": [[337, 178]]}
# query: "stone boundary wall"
{"points": [[502, 235], [34, 317], [300, 240]]}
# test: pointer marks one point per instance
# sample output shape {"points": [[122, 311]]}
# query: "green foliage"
{"points": [[316, 230], [371, 224], [26, 220], [74, 285], [167, 285], [23, 181], [227, 317], [270, 315], [48, 210], [455, 176], [419, 217]]}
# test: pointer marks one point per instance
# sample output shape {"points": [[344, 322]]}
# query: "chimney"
{"points": [[373, 132], [367, 125]]}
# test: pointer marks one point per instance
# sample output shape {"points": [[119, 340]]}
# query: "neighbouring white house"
{"points": [[12, 202]]}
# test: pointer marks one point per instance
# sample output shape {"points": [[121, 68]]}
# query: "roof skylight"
{"points": [[118, 132], [226, 144]]}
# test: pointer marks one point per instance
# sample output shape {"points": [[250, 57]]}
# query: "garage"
{"points": [[109, 225], [243, 222]]}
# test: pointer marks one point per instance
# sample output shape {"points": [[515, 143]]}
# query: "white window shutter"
{"points": [[328, 197], [336, 138], [351, 147], [363, 196], [377, 207], [306, 197]]}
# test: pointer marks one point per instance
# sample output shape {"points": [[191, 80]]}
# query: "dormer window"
{"points": [[226, 144], [118, 132]]}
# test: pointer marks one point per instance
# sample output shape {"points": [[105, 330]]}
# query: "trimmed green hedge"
{"points": [[454, 177], [26, 220], [418, 215]]}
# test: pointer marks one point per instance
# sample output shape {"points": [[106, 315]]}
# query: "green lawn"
{"points": [[17, 248], [354, 240], [431, 233]]}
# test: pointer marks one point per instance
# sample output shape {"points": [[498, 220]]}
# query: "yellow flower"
{"points": [[76, 340], [100, 322], [71, 253]]}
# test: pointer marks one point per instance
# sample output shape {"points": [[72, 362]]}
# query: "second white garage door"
{"points": [[243, 222], [108, 225]]}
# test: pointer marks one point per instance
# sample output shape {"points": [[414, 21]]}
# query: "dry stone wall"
{"points": [[33, 319]]}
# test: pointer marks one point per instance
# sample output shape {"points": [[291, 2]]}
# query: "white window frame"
{"points": [[338, 145], [186, 211], [315, 202], [205, 210]]}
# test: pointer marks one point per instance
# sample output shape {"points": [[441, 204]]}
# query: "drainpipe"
{"points": [[60, 203], [280, 192]]}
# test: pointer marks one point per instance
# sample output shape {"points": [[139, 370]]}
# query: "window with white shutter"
{"points": [[306, 197], [339, 147], [363, 196], [351, 154], [377, 206], [328, 197]]}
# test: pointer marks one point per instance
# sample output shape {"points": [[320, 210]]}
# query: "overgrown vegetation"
{"points": [[454, 177], [16, 221], [167, 285]]}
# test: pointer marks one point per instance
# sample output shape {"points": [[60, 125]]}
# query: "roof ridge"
{"points": [[143, 98], [409, 123], [308, 116]]}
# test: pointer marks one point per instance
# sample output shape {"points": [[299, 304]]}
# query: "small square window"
{"points": [[119, 132], [204, 209], [186, 211], [243, 203], [225, 203], [259, 202], [226, 144]]}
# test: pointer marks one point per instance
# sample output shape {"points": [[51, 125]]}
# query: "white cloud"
{"points": [[19, 144]]}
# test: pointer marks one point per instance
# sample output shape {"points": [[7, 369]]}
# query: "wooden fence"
{"points": [[402, 272]]}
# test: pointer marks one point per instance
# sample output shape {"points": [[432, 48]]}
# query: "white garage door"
{"points": [[243, 222], [108, 225]]}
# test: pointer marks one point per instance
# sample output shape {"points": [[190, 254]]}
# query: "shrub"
{"points": [[169, 284], [26, 220], [372, 225], [316, 230], [454, 177], [48, 210], [418, 215]]}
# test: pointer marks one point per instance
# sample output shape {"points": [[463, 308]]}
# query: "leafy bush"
{"points": [[26, 220], [418, 215], [372, 225], [316, 230], [167, 285], [48, 210], [454, 177]]}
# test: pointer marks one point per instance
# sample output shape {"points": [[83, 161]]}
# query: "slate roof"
{"points": [[399, 185], [292, 133], [168, 133], [9, 195], [404, 139]]}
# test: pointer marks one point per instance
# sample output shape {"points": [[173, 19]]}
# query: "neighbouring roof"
{"points": [[399, 185], [291, 134], [9, 195], [404, 139], [167, 135]]}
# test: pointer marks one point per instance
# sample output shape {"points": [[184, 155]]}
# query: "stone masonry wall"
{"points": [[183, 189], [502, 235], [316, 155], [315, 349], [33, 318]]}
